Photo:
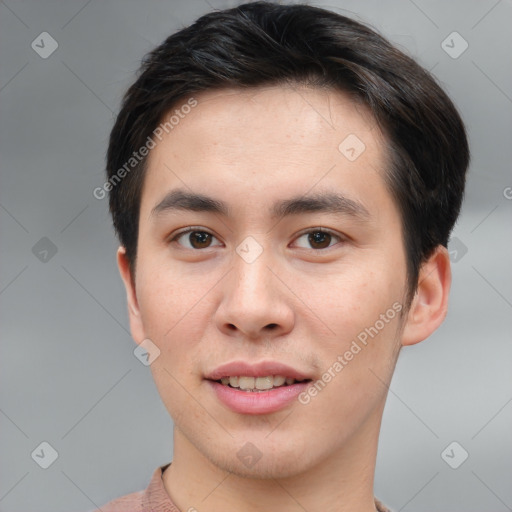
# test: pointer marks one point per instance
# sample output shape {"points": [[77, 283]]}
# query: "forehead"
{"points": [[297, 115], [266, 141]]}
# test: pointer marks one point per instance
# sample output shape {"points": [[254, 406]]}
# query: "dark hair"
{"points": [[262, 43]]}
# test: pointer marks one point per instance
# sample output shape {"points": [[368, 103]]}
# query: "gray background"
{"points": [[69, 376]]}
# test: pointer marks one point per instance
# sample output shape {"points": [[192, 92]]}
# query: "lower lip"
{"points": [[257, 402]]}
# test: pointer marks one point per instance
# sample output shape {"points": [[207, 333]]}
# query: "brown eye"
{"points": [[195, 239], [199, 239], [319, 239]]}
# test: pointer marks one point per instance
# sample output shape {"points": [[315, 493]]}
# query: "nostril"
{"points": [[271, 326]]}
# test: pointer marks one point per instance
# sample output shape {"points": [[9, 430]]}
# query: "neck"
{"points": [[341, 483]]}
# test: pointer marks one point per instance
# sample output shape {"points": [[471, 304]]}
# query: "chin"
{"points": [[270, 467], [260, 459]]}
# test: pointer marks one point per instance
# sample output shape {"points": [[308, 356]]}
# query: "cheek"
{"points": [[173, 313], [360, 312], [351, 300], [174, 319], [357, 365], [163, 293]]}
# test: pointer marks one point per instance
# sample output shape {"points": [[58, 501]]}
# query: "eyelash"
{"points": [[199, 229]]}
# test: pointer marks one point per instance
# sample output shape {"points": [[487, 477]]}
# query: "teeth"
{"points": [[264, 382], [256, 383], [279, 380], [245, 382]]}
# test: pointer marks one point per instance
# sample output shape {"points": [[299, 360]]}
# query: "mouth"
{"points": [[257, 388], [258, 384]]}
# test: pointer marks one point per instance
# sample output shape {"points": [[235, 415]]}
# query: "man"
{"points": [[283, 182]]}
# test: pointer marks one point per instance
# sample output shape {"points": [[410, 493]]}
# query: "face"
{"points": [[289, 267]]}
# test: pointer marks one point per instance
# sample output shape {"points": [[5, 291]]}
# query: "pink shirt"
{"points": [[155, 499]]}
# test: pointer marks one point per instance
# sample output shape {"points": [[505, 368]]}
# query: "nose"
{"points": [[255, 303]]}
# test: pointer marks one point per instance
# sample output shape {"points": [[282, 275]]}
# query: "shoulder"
{"points": [[152, 499]]}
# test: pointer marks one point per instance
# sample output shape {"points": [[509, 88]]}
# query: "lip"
{"points": [[257, 402], [254, 402], [261, 369]]}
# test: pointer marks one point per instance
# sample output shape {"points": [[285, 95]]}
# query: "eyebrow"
{"points": [[324, 202]]}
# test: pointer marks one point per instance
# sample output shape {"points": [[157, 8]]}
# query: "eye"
{"points": [[319, 238], [197, 238]]}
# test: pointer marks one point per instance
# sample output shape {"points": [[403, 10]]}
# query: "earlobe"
{"points": [[430, 303], [136, 325]]}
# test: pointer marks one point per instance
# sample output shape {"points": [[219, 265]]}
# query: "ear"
{"points": [[136, 325], [430, 303]]}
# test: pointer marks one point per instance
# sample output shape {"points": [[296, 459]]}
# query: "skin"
{"points": [[203, 307]]}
